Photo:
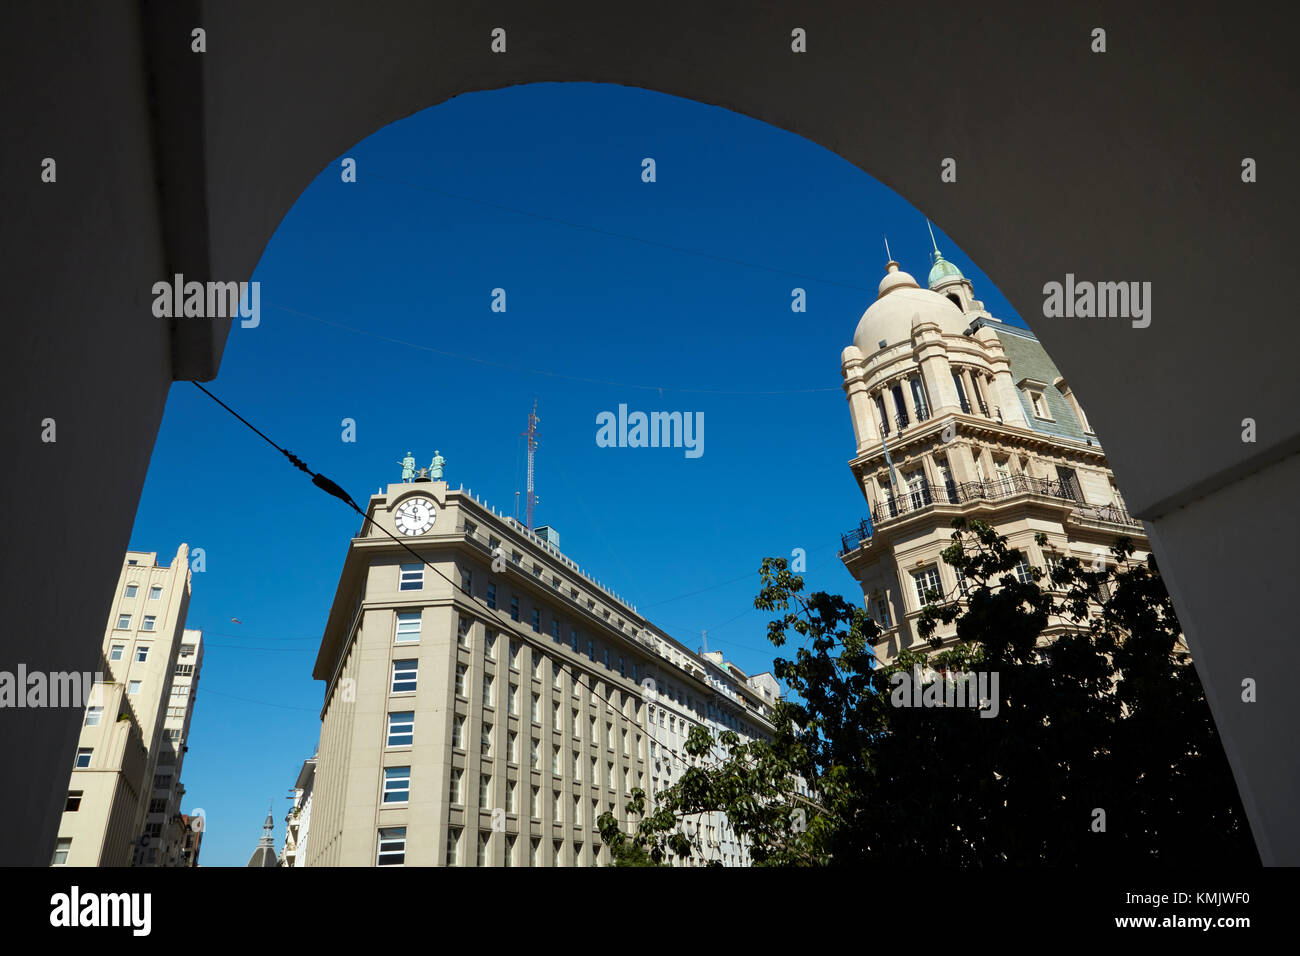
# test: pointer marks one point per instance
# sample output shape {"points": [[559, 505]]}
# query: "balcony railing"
{"points": [[951, 493]]}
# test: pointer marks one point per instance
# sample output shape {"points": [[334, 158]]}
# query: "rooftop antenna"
{"points": [[704, 640], [531, 434], [888, 254]]}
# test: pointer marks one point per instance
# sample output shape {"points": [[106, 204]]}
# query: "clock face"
{"points": [[415, 516]]}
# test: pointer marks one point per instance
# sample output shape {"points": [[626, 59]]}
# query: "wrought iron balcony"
{"points": [[901, 420], [951, 493], [984, 409], [922, 413], [965, 405]]}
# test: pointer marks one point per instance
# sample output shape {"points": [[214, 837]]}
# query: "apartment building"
{"points": [[297, 822], [487, 708], [124, 781]]}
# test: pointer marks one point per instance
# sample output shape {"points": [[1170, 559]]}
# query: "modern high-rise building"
{"points": [[489, 711], [123, 802], [958, 414]]}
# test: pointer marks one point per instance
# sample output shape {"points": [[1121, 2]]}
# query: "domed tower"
{"points": [[264, 854], [946, 279], [953, 414]]}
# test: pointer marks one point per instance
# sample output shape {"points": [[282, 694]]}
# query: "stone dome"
{"points": [[898, 302]]}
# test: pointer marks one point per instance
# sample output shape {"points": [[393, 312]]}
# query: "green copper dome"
{"points": [[942, 270]]}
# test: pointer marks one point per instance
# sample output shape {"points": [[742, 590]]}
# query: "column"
{"points": [[904, 386]]}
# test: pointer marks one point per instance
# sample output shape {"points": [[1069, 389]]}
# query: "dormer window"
{"points": [[1035, 393]]}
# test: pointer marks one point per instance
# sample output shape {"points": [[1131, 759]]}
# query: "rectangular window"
{"points": [[556, 723], [515, 648], [460, 680], [61, 850], [155, 593], [408, 627], [533, 756], [484, 791], [487, 690], [490, 645], [535, 851], [462, 631], [485, 740], [141, 654], [555, 676], [131, 590], [926, 580], [591, 650], [577, 734], [123, 622], [404, 676], [94, 715], [622, 671], [458, 732], [577, 811], [573, 636], [555, 760], [115, 652], [512, 801], [392, 846], [555, 630], [492, 596], [514, 700], [484, 837], [456, 775], [577, 766], [133, 687], [537, 803], [453, 846], [557, 807], [467, 581], [559, 852], [401, 728], [607, 658], [537, 621], [411, 577], [149, 621], [1022, 572], [514, 608], [397, 784], [535, 711], [962, 584], [510, 850], [74, 801]]}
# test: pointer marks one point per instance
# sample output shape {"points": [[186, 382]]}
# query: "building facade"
{"points": [[957, 414], [297, 822], [487, 713], [123, 794]]}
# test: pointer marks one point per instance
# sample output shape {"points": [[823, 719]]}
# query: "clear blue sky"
{"points": [[683, 284]]}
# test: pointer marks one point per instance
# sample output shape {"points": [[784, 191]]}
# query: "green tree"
{"points": [[1099, 746]]}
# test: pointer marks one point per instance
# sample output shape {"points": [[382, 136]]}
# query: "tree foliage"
{"points": [[1099, 748]]}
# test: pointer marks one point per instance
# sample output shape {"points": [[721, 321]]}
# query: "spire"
{"points": [[888, 255], [941, 271], [268, 828]]}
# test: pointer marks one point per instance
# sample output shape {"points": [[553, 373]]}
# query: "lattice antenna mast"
{"points": [[531, 435]]}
